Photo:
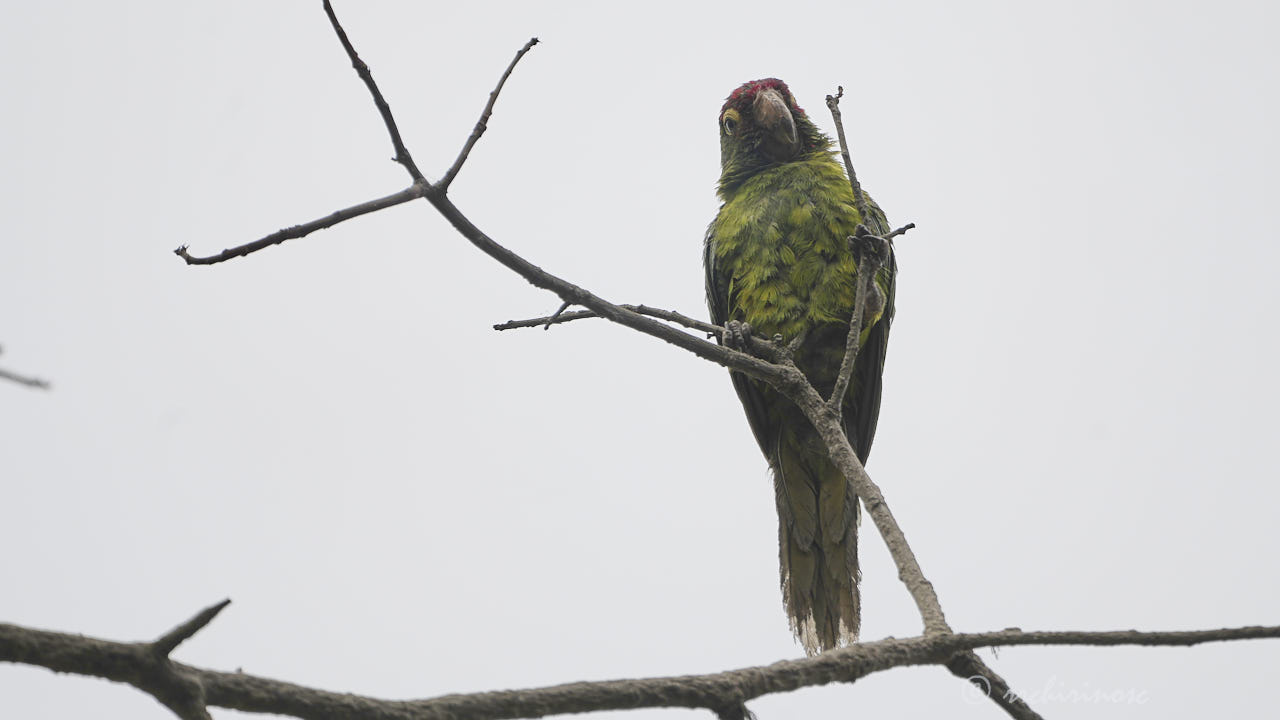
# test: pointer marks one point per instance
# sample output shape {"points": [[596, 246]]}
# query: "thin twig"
{"points": [[900, 231], [402, 153], [859, 199], [555, 316], [413, 192], [559, 318], [575, 295], [868, 265], [25, 380], [830, 426], [831, 429], [483, 123], [420, 188]]}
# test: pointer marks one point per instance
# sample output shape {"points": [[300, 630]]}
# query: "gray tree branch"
{"points": [[564, 317], [178, 686], [27, 380], [23, 379], [869, 263]]}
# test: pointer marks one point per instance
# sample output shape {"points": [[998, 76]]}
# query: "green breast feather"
{"points": [[781, 243]]}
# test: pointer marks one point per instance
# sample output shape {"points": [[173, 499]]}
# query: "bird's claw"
{"points": [[868, 244], [736, 334]]}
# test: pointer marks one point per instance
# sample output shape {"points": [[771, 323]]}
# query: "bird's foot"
{"points": [[740, 336], [736, 334], [869, 245]]}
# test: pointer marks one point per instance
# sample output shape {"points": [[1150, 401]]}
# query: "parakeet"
{"points": [[777, 258]]}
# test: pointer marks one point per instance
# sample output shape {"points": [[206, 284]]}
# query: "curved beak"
{"points": [[772, 114]]}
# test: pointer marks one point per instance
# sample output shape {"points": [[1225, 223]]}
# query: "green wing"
{"points": [[862, 409], [749, 394]]}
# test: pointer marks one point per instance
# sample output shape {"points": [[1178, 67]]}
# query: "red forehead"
{"points": [[746, 93]]}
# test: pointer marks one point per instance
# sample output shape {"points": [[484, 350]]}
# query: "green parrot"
{"points": [[778, 263]]}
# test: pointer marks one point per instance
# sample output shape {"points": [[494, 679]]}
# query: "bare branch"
{"points": [[831, 429], [568, 292], [402, 153], [420, 188], [556, 315], [872, 252], [859, 198], [25, 380], [869, 263], [564, 317], [413, 192], [483, 123], [866, 270], [719, 692], [827, 418], [900, 231], [575, 295]]}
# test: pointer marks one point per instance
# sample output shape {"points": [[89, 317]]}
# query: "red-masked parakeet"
{"points": [[778, 260]]}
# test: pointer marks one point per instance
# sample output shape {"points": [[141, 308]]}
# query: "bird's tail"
{"points": [[818, 544]]}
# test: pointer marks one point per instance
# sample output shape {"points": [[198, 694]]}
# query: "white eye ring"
{"points": [[730, 124]]}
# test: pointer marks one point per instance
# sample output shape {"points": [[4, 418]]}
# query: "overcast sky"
{"points": [[1080, 400]]}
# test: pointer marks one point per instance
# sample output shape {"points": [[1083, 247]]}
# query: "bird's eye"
{"points": [[729, 121]]}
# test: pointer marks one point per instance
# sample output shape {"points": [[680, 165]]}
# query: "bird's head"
{"points": [[762, 125]]}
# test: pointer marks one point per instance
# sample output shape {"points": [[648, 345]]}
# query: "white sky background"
{"points": [[1080, 395]]}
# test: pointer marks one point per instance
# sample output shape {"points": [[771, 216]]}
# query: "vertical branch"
{"points": [[868, 265], [867, 268], [859, 199]]}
